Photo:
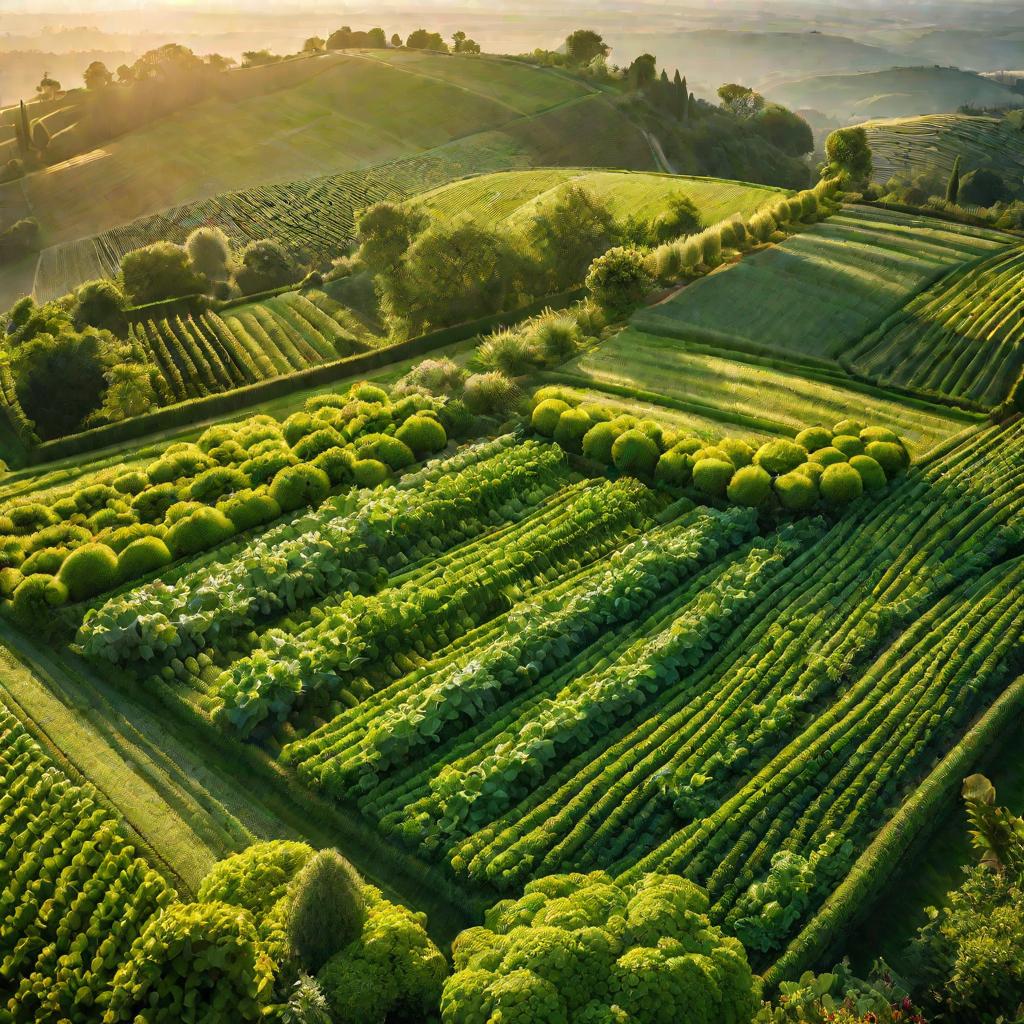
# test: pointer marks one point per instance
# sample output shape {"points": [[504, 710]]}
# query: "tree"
{"points": [[953, 187], [314, 44], [569, 233], [385, 231], [741, 100], [983, 187], [48, 88], [785, 130], [618, 280], [130, 392], [59, 378], [40, 137], [209, 251], [97, 76], [396, 40], [680, 97], [376, 39], [218, 62], [260, 58], [461, 44], [583, 45], [159, 271], [421, 39], [326, 909], [100, 304], [265, 265], [642, 72], [21, 238], [125, 75], [24, 130], [849, 155]]}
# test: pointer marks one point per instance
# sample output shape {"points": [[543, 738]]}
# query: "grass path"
{"points": [[190, 795]]}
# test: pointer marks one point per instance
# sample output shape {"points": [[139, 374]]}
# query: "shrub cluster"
{"points": [[125, 522], [821, 466]]}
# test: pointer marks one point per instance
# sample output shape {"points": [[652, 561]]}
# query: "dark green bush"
{"points": [[34, 601], [890, 456], [780, 456], [871, 473], [796, 491], [674, 467], [213, 484], [297, 486], [598, 441], [337, 463], [738, 452], [387, 449], [572, 427], [247, 509], [813, 438], [89, 570], [811, 470]]}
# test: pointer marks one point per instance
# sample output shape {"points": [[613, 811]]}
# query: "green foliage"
{"points": [[634, 452], [325, 911], [490, 393], [508, 351], [142, 556], [841, 484], [209, 252], [369, 472], [265, 265], [546, 415], [583, 45], [849, 154], [598, 442], [570, 232], [674, 467], [35, 598], [249, 508], [750, 486], [199, 962], [871, 473], [780, 456], [159, 271], [618, 280], [848, 444], [307, 1004], [385, 231], [890, 455], [573, 425], [827, 456], [423, 434], [296, 486], [204, 528], [582, 948], [712, 475], [89, 570], [796, 491]]}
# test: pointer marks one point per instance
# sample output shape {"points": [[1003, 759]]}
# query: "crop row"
{"points": [[206, 354], [74, 897], [350, 544], [128, 522], [753, 710], [964, 336]]}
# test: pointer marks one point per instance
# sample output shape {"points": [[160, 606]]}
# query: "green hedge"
{"points": [[185, 305], [188, 413]]}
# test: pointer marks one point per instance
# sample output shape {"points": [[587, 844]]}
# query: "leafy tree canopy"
{"points": [[159, 271], [583, 45]]}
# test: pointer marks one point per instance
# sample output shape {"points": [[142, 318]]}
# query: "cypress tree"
{"points": [[24, 131], [953, 188], [664, 91], [40, 137]]}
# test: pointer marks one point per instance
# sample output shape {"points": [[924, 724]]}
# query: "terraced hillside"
{"points": [[962, 337], [915, 145], [513, 197], [821, 291]]}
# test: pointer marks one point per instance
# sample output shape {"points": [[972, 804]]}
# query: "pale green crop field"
{"points": [[515, 197], [737, 392], [819, 292]]}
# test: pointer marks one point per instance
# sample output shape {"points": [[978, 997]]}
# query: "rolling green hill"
{"points": [[914, 145], [897, 92]]}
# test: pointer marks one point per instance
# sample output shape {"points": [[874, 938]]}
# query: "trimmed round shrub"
{"points": [[337, 464], [572, 427], [634, 452], [456, 419], [653, 430], [193, 962], [202, 529], [796, 491], [12, 554], [712, 476], [89, 570], [247, 509], [674, 467], [423, 434], [45, 560], [618, 280], [749, 486], [848, 427], [297, 426], [267, 465], [848, 444], [152, 504], [369, 472], [131, 483], [490, 393], [109, 519], [813, 438], [598, 441], [174, 465], [546, 415], [297, 486], [597, 413], [31, 517], [10, 580], [34, 598], [212, 484], [257, 877], [180, 509], [871, 473], [309, 447], [869, 434], [624, 422], [811, 470], [142, 556], [326, 909], [688, 445], [840, 484], [711, 452], [364, 391], [738, 452], [387, 449], [891, 457], [95, 496], [827, 456], [780, 456]]}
